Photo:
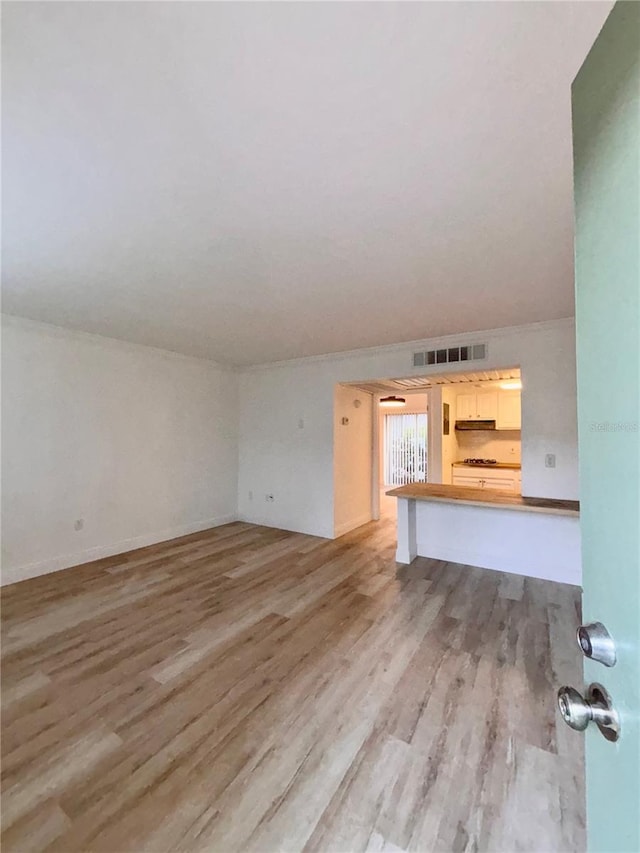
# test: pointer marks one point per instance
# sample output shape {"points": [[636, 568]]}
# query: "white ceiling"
{"points": [[258, 181]]}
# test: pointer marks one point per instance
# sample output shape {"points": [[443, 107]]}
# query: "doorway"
{"points": [[404, 448]]}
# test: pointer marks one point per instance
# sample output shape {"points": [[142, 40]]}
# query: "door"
{"points": [[509, 410], [487, 405], [466, 407], [501, 484], [467, 481], [606, 131]]}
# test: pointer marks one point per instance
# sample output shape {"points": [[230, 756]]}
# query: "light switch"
{"points": [[550, 460]]}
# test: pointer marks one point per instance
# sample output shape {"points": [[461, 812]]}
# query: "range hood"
{"points": [[466, 425]]}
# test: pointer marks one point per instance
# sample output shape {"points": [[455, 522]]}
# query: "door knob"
{"points": [[578, 712]]}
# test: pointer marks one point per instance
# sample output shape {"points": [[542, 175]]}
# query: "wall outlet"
{"points": [[250, 495], [550, 460], [269, 498], [301, 423], [78, 524]]}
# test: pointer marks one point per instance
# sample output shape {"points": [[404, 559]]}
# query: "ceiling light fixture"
{"points": [[393, 402], [511, 386]]}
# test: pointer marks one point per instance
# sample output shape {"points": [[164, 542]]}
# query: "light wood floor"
{"points": [[251, 689]]}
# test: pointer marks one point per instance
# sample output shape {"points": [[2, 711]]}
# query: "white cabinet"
{"points": [[503, 407], [509, 415], [465, 407], [487, 405], [468, 482], [477, 407], [509, 483], [503, 480]]}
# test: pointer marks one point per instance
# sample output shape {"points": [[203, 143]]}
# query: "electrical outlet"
{"points": [[78, 524], [550, 460], [250, 495], [269, 498], [301, 423]]}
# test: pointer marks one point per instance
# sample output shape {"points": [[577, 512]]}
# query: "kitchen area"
{"points": [[484, 448], [471, 509], [447, 469], [460, 429]]}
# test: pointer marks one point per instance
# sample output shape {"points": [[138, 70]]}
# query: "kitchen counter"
{"points": [[535, 537], [484, 497], [506, 466]]}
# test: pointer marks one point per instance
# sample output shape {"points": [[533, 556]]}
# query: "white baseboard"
{"points": [[405, 557], [263, 521], [348, 526], [14, 574]]}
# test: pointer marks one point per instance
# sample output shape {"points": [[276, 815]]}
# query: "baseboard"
{"points": [[348, 526], [67, 561], [263, 521]]}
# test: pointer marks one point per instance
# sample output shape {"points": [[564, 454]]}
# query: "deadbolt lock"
{"points": [[597, 643], [578, 712]]}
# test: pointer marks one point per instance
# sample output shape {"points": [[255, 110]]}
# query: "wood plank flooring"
{"points": [[252, 689]]}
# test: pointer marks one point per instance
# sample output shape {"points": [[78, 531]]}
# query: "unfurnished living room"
{"points": [[320, 406]]}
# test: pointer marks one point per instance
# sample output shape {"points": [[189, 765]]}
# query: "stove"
{"points": [[480, 461]]}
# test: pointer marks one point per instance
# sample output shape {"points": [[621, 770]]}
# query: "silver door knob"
{"points": [[578, 712]]}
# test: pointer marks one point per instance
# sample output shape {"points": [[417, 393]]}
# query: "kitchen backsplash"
{"points": [[504, 446]]}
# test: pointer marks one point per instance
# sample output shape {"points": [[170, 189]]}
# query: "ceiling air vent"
{"points": [[451, 355]]}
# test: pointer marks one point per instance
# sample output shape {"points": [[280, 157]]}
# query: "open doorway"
{"points": [[401, 448], [452, 428], [404, 448]]}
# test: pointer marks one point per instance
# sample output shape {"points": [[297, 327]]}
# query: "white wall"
{"points": [[534, 544], [352, 459], [297, 464], [143, 444], [503, 445], [450, 451], [139, 443]]}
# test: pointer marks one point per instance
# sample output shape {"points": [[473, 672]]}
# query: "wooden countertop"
{"points": [[510, 466], [484, 497]]}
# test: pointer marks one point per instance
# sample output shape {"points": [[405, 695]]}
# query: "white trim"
{"points": [[409, 346], [262, 521], [477, 336], [67, 561], [105, 341], [376, 474], [348, 526]]}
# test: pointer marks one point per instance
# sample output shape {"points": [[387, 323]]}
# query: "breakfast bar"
{"points": [[536, 537]]}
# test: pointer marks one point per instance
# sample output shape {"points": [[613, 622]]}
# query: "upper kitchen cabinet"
{"points": [[465, 407], [477, 407], [487, 405], [509, 415]]}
